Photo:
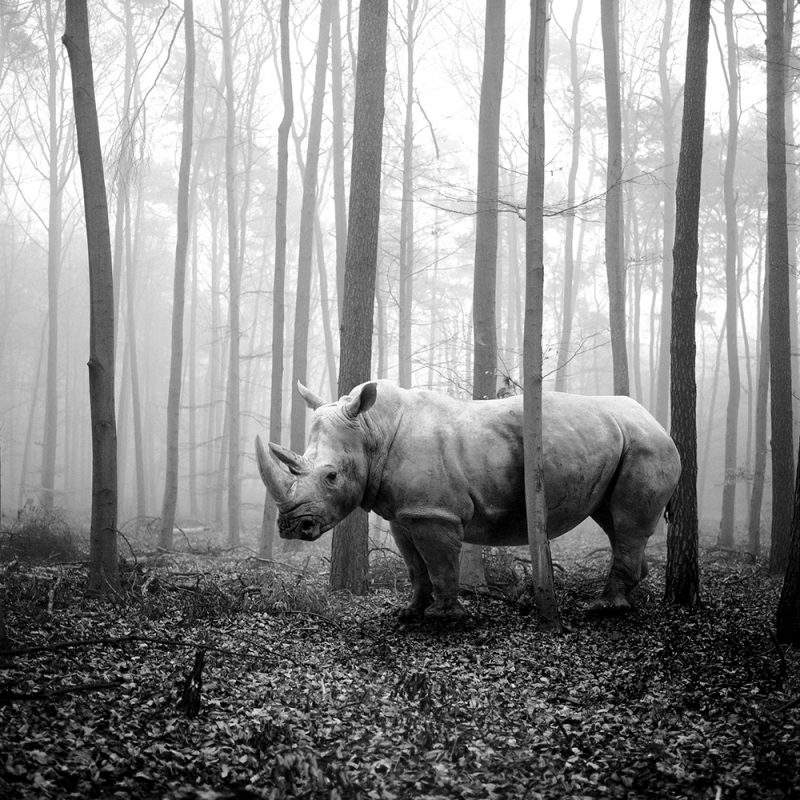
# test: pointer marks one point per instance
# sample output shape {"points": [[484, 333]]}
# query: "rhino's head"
{"points": [[318, 489]]}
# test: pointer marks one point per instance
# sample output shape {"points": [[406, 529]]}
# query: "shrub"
{"points": [[40, 536]]}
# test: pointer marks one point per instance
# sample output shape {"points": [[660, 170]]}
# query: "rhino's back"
{"points": [[464, 459]]}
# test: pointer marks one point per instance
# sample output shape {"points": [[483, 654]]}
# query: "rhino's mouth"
{"points": [[307, 528]]}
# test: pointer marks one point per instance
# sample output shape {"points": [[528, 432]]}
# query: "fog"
{"points": [[139, 61]]}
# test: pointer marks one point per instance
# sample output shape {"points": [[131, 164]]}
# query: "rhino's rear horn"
{"points": [[313, 401], [276, 479]]}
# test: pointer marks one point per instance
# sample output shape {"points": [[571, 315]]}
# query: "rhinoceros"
{"points": [[444, 471]]}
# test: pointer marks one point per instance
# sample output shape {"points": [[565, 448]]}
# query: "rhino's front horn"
{"points": [[277, 480]]}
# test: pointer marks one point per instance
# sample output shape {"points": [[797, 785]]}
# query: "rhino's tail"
{"points": [[668, 510]]}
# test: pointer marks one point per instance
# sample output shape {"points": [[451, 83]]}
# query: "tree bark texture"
{"points": [[103, 564], [170, 501], [615, 250], [541, 562], [787, 616], [778, 268], [350, 546], [683, 574]]}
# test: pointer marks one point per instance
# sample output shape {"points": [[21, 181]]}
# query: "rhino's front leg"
{"points": [[439, 544], [421, 586]]}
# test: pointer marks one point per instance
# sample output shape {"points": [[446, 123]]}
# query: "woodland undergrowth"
{"points": [[306, 693]]}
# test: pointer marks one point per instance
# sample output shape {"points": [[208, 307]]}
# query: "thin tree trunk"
{"points": [[683, 573], [761, 445], [54, 247], [179, 289], [536, 502], [339, 191], [668, 128], [297, 439], [279, 274], [350, 546], [565, 345], [103, 564], [484, 303], [234, 272], [726, 527], [615, 255]]}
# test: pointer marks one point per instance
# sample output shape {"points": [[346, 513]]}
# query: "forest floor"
{"points": [[310, 694]]}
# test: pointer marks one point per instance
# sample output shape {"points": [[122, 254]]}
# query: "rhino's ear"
{"points": [[313, 401], [298, 465], [361, 400]]}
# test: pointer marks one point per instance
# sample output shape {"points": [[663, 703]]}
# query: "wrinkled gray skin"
{"points": [[446, 471]]}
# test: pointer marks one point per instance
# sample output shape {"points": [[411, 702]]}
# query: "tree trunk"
{"points": [[726, 527], [683, 574], [349, 550], [541, 563], [234, 279], [179, 289], [54, 254], [297, 439], [615, 255], [484, 327], [565, 344], [405, 291], [279, 274], [778, 261], [339, 192], [103, 564], [787, 616], [761, 447]]}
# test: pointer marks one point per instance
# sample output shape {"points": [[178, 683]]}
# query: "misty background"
{"points": [[423, 335]]}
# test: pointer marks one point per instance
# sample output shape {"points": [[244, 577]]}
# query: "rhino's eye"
{"points": [[330, 477]]}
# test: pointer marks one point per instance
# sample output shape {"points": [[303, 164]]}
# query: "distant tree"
{"points": [[297, 434], [778, 268], [279, 271], [339, 191], [567, 312], [787, 617], [683, 573], [56, 165], [405, 289], [179, 287], [103, 563], [536, 502], [349, 550], [731, 288], [234, 281], [615, 251], [668, 237], [484, 325]]}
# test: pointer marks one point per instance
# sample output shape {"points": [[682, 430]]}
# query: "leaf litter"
{"points": [[310, 694]]}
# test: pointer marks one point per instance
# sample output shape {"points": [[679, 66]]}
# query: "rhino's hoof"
{"points": [[615, 604], [410, 613], [449, 612]]}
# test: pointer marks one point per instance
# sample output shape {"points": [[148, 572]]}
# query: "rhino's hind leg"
{"points": [[421, 586], [628, 568]]}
